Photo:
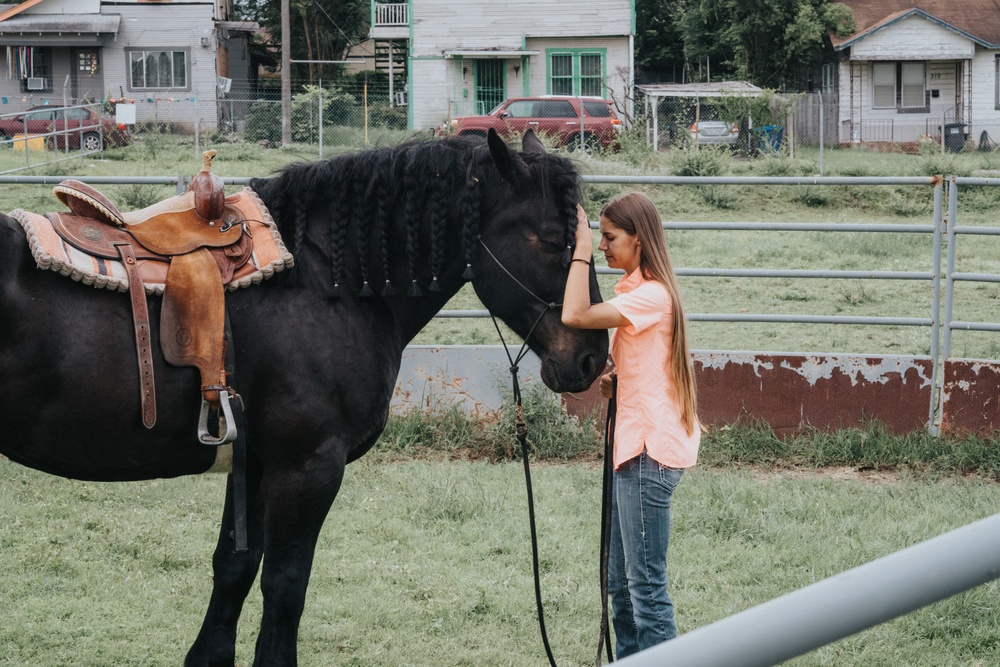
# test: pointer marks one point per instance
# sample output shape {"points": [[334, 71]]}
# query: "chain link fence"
{"points": [[368, 109], [784, 125]]}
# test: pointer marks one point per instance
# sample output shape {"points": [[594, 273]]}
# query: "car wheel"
{"points": [[591, 143], [91, 142]]}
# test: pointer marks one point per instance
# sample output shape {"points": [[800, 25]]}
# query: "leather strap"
{"points": [[143, 345]]}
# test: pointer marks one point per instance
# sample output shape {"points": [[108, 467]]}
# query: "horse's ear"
{"points": [[531, 143], [511, 166]]}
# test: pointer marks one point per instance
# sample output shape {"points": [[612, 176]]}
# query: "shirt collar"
{"points": [[629, 282]]}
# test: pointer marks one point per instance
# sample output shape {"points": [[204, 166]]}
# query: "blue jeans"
{"points": [[641, 610]]}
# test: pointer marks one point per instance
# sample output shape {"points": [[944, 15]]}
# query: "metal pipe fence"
{"points": [[839, 606], [943, 230]]}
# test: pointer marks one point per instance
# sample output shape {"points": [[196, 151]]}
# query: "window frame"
{"points": [[896, 67], [577, 75], [146, 52]]}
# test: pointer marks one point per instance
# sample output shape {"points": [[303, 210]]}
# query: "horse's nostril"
{"points": [[588, 365]]}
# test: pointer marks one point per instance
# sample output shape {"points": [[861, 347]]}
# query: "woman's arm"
{"points": [[577, 311]]}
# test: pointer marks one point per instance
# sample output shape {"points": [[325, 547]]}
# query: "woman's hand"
{"points": [[606, 384]]}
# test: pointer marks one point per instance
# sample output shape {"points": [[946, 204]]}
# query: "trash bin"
{"points": [[955, 135], [769, 138]]}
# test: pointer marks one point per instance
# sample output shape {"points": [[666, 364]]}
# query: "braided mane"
{"points": [[374, 200]]}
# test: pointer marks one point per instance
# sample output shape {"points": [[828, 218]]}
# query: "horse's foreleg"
{"points": [[297, 505], [234, 574]]}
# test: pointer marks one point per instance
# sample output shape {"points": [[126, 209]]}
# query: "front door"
{"points": [[489, 84]]}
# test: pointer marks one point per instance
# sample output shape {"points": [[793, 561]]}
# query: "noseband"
{"points": [[521, 429]]}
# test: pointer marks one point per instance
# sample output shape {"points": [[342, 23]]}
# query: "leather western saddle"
{"points": [[192, 244]]}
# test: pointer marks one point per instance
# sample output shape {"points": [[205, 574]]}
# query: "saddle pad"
{"points": [[52, 253]]}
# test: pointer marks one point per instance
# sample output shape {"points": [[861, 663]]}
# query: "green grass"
{"points": [[427, 562], [425, 559]]}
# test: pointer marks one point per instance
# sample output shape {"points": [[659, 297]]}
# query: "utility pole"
{"points": [[286, 75]]}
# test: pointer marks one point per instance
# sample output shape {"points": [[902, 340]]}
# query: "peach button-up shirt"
{"points": [[648, 414]]}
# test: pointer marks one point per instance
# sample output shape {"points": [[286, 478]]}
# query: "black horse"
{"points": [[382, 239]]}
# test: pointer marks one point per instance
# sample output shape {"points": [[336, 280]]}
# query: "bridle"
{"points": [[521, 431]]}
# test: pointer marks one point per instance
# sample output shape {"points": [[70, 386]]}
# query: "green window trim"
{"points": [[571, 71]]}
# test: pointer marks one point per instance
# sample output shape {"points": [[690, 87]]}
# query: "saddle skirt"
{"points": [[82, 249]]}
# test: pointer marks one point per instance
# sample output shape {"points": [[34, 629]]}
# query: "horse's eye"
{"points": [[552, 246]]}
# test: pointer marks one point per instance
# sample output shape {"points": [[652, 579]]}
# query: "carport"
{"points": [[655, 92]]}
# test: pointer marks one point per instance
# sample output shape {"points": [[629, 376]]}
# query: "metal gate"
{"points": [[489, 84]]}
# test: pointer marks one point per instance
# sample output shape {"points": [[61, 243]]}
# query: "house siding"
{"points": [[179, 26], [913, 38], [439, 89], [438, 27]]}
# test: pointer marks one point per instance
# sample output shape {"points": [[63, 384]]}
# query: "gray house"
{"points": [[172, 58], [452, 59], [915, 68]]}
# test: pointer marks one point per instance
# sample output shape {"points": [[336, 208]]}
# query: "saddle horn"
{"points": [[208, 189]]}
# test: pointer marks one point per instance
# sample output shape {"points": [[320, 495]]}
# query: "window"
{"points": [[158, 70], [591, 74], [996, 77], [883, 85], [901, 86], [562, 74], [520, 109], [32, 65], [912, 95], [597, 109], [829, 77], [557, 109], [576, 71], [87, 62]]}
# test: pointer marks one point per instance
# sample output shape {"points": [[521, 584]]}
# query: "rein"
{"points": [[521, 432]]}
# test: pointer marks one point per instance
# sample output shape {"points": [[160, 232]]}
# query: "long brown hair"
{"points": [[635, 214]]}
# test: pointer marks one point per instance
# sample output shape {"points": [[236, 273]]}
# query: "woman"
{"points": [[657, 431]]}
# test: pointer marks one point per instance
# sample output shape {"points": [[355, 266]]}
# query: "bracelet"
{"points": [[578, 259]]}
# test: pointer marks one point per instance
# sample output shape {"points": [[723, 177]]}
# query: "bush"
{"points": [[264, 121], [701, 161]]}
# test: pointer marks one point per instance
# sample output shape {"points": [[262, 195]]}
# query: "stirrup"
{"points": [[227, 425]]}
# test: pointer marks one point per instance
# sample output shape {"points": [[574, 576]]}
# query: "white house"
{"points": [[912, 68], [167, 56], [464, 58]]}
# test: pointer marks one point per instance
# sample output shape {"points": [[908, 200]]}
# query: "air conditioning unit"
{"points": [[36, 83], [224, 84]]}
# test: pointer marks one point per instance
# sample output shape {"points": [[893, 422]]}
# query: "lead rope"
{"points": [[604, 639], [521, 431]]}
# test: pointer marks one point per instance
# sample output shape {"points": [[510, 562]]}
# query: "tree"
{"points": [[768, 42], [320, 30]]}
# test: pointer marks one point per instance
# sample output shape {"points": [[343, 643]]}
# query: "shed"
{"points": [[654, 92]]}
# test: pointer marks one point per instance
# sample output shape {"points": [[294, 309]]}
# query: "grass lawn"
{"points": [[427, 562]]}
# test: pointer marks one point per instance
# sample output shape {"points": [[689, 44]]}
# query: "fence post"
{"points": [[320, 115], [937, 358], [822, 122]]}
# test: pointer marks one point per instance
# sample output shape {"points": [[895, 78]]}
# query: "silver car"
{"points": [[714, 132]]}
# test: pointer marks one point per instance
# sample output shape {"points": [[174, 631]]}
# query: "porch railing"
{"points": [[389, 14]]}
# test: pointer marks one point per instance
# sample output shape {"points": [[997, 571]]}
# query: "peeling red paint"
{"points": [[792, 392], [970, 395]]}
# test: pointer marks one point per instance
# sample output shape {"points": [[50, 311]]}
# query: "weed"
{"points": [[140, 195], [701, 161], [813, 197]]}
